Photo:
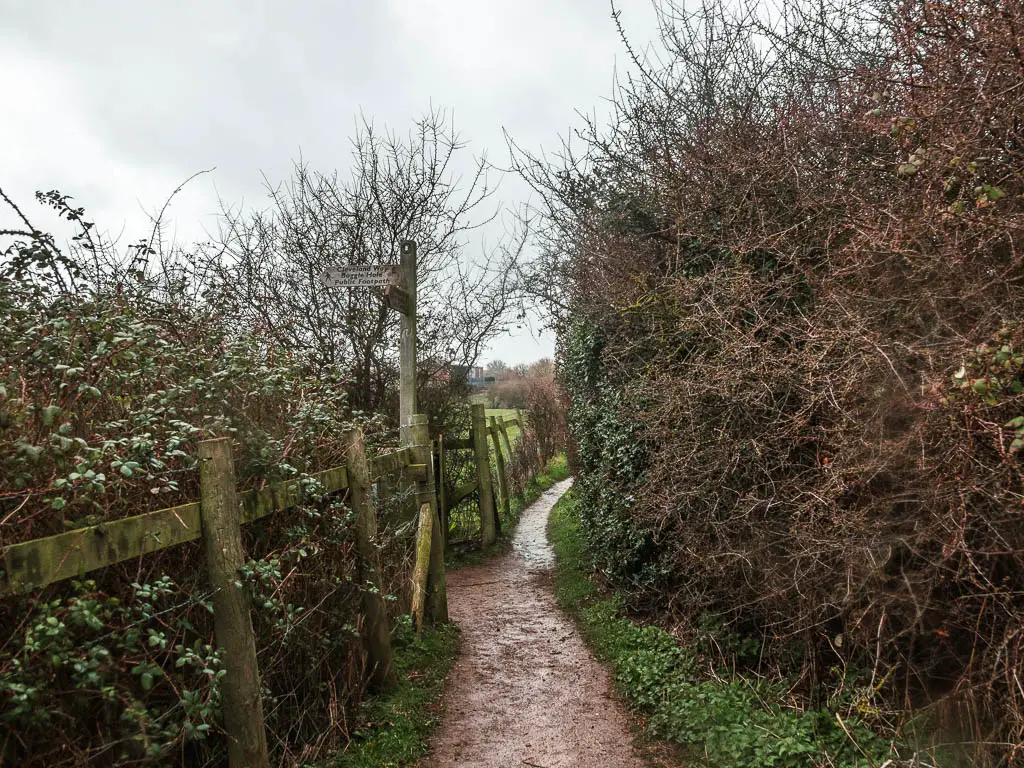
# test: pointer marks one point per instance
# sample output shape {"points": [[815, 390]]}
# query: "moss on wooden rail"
{"points": [[387, 463], [37, 563], [34, 564], [462, 492]]}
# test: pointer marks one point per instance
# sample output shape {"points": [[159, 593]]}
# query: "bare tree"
{"points": [[398, 188]]}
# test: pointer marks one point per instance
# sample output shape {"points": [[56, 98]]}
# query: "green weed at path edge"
{"points": [[733, 723], [396, 727]]}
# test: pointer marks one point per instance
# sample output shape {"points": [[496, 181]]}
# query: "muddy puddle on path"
{"points": [[525, 690]]}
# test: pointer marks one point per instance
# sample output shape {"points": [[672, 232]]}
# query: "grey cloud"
{"points": [[162, 89]]}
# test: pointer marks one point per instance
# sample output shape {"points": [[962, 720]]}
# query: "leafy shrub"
{"points": [[612, 454], [103, 403], [103, 397]]}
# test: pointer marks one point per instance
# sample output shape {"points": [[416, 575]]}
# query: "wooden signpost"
{"points": [[360, 276], [429, 596], [407, 345], [397, 299], [399, 284]]}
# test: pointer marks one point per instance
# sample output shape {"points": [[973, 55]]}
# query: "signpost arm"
{"points": [[402, 299], [407, 352]]}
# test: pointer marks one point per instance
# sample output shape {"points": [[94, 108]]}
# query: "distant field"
{"points": [[502, 412]]}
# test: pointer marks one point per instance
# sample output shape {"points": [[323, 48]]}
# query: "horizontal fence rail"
{"points": [[462, 492], [217, 521], [33, 564]]}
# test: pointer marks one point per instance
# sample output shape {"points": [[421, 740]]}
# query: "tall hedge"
{"points": [[789, 299]]}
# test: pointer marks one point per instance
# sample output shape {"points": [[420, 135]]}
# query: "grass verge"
{"points": [[731, 723], [557, 469], [397, 725]]}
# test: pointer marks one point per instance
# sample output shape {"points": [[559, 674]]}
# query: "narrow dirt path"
{"points": [[526, 691]]}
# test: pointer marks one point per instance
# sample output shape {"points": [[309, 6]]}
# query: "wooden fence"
{"points": [[217, 519]]}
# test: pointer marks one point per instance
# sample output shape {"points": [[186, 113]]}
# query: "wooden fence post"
{"points": [[222, 540], [488, 532], [508, 445], [437, 593], [499, 461], [377, 632], [421, 571], [442, 491], [532, 466], [504, 433]]}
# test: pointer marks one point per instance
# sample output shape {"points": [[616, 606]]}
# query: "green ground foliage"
{"points": [[395, 728], [727, 720]]}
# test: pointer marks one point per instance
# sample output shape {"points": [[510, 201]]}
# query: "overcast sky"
{"points": [[116, 102]]}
